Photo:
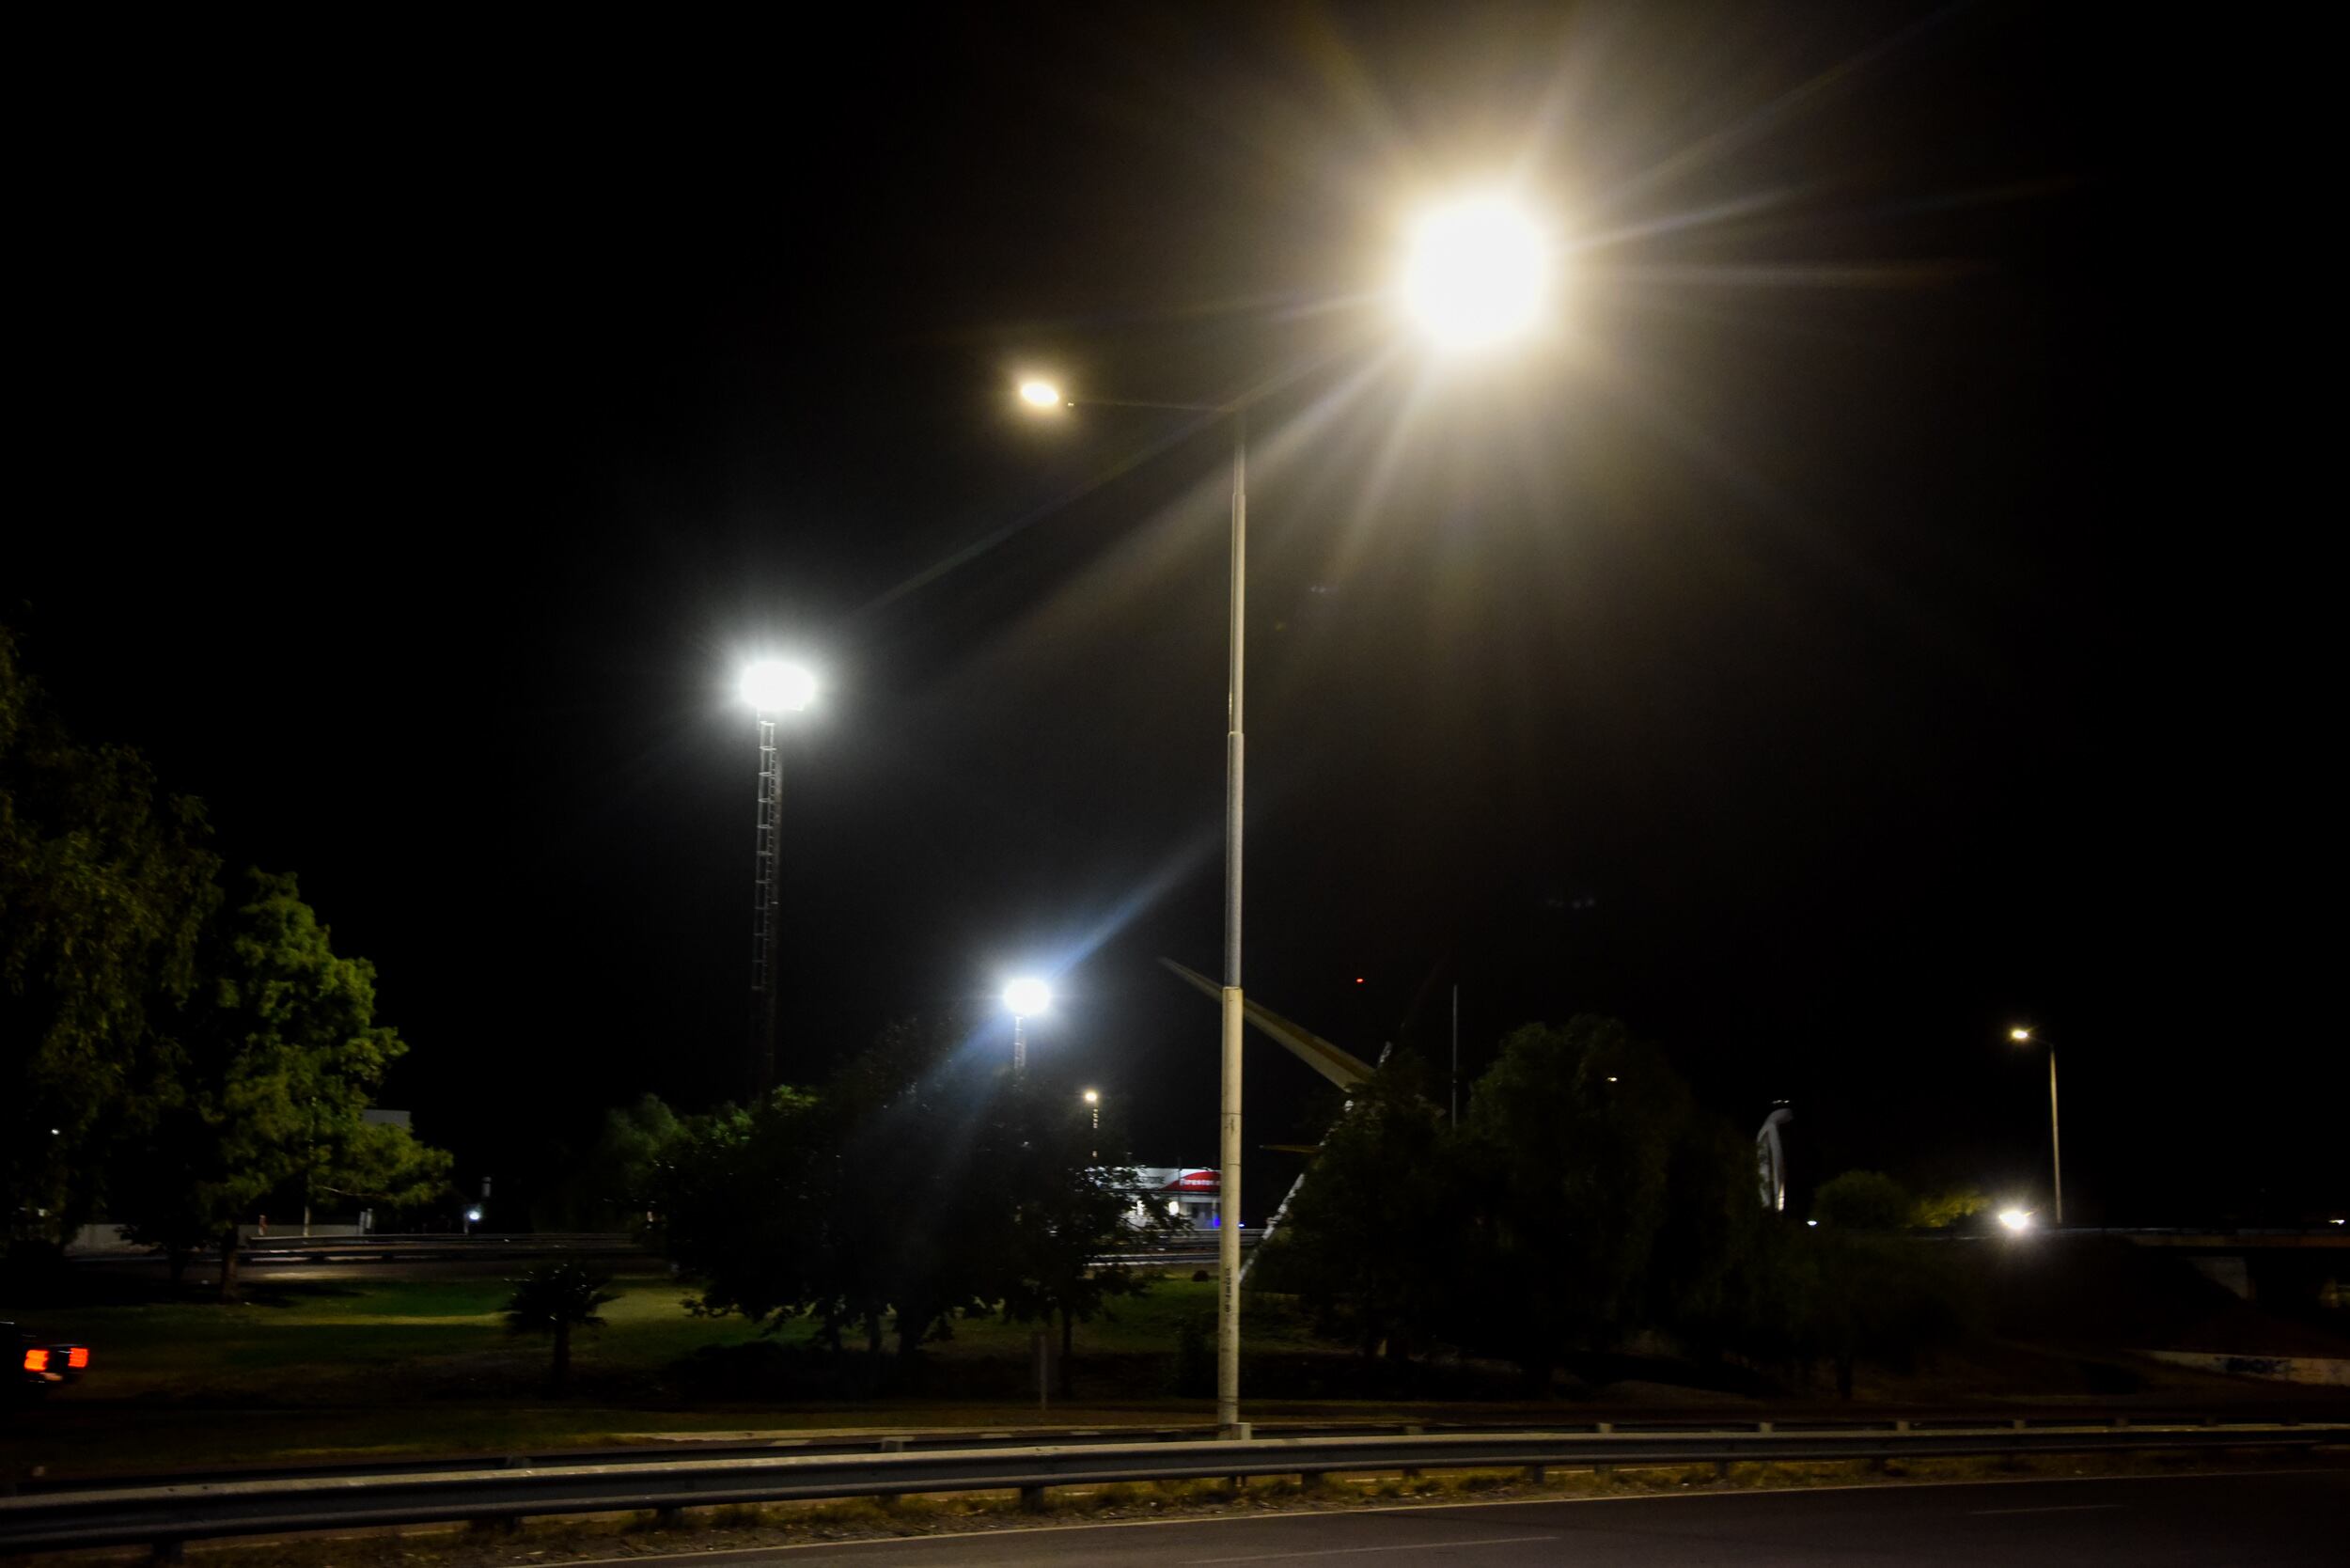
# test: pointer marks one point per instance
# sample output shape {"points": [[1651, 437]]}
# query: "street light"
{"points": [[2022, 1034], [1477, 270], [1477, 273], [770, 687], [1022, 997], [2017, 1221], [1093, 1103]]}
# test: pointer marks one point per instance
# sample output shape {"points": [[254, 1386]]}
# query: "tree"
{"points": [[738, 1204], [1386, 1170], [260, 1084], [1864, 1201], [555, 1298], [1569, 1165], [105, 883], [1057, 1210], [1943, 1207], [920, 1186]]}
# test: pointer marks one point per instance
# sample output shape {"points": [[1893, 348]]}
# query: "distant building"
{"points": [[1187, 1192]]}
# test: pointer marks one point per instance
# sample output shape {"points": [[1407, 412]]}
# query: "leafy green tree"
{"points": [[260, 1085], [1850, 1296], [1058, 1207], [1570, 1165], [105, 883], [1943, 1207], [738, 1197], [609, 1186], [1708, 1263], [1864, 1201], [1387, 1168], [555, 1298]]}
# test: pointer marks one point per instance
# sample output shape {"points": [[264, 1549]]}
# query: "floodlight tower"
{"points": [[1024, 999], [771, 689]]}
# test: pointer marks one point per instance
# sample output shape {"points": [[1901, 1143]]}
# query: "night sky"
{"points": [[1821, 648]]}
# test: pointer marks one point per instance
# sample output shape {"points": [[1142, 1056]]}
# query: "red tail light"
{"points": [[77, 1357], [37, 1360]]}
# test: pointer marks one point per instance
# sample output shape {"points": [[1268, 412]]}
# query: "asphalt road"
{"points": [[2285, 1516]]}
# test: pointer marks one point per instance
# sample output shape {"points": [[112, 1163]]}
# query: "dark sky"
{"points": [[1820, 648]]}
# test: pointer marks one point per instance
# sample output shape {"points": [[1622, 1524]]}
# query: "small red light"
{"points": [[77, 1357], [37, 1360], [1358, 979]]}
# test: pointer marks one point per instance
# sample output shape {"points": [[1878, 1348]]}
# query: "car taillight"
{"points": [[77, 1357], [37, 1360]]}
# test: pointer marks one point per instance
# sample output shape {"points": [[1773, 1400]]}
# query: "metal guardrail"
{"points": [[164, 1515], [965, 1439]]}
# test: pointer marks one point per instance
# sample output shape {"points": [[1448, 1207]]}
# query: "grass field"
{"points": [[401, 1366]]}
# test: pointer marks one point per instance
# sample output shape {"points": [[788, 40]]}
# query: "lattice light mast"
{"points": [[772, 688]]}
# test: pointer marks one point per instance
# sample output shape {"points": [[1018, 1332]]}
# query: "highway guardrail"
{"points": [[164, 1515]]}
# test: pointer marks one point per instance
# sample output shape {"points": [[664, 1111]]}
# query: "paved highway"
{"points": [[2282, 1518]]}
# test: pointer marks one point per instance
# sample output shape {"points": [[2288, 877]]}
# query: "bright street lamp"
{"points": [[1021, 999], [2017, 1221], [2022, 1034], [1477, 272], [770, 687]]}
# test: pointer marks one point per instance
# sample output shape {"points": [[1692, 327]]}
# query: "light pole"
{"points": [[2022, 1034], [770, 687], [1476, 274], [1093, 1104], [1045, 396], [1022, 997]]}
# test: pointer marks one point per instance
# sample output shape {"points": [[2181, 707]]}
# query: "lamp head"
{"points": [[773, 686], [1477, 272], [1025, 998]]}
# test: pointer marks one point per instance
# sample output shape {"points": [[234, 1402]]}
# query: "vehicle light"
{"points": [[37, 1360], [77, 1357]]}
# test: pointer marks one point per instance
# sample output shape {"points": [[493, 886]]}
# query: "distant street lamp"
{"points": [[1093, 1102], [2015, 1221], [2022, 1035], [1477, 273], [770, 687], [1021, 999]]}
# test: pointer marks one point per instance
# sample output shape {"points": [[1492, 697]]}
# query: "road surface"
{"points": [[2293, 1515]]}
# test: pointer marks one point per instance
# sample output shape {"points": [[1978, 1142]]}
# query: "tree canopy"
{"points": [[262, 1083], [917, 1186], [105, 883]]}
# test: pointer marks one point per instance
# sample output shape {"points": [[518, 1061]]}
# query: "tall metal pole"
{"points": [[1228, 1200], [767, 911], [1019, 1042], [2055, 1147]]}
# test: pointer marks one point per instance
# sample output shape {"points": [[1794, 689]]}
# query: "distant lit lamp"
{"points": [[1023, 999], [2022, 1034], [1039, 394], [2015, 1221], [770, 687]]}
